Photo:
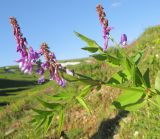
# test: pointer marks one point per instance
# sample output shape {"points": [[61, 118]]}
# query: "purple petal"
{"points": [[41, 80]]}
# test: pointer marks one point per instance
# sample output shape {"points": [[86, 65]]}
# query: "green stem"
{"points": [[125, 88], [80, 76], [117, 45], [114, 42]]}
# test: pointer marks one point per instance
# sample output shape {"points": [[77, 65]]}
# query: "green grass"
{"points": [[18, 94]]}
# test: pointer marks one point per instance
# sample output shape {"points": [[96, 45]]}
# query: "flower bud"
{"points": [[123, 39]]}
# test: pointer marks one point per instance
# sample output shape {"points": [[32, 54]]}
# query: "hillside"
{"points": [[18, 94]]}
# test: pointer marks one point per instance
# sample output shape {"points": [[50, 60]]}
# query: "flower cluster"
{"points": [[50, 64], [104, 23], [28, 55]]}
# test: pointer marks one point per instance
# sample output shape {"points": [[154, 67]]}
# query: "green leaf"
{"points": [[128, 99], [87, 80], [40, 123], [90, 49], [61, 97], [118, 78], [135, 106], [157, 82], [53, 106], [61, 122], [82, 102], [85, 91], [137, 77], [36, 118], [90, 42], [118, 53], [127, 64], [100, 57], [137, 57], [48, 123], [42, 112], [146, 78], [134, 75], [114, 61]]}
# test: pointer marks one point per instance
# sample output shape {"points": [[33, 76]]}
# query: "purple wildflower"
{"points": [[28, 57], [104, 23], [52, 65], [123, 39]]}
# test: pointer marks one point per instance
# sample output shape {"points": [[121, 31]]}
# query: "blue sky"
{"points": [[54, 21]]}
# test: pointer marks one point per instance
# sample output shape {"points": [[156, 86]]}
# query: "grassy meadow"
{"points": [[19, 92]]}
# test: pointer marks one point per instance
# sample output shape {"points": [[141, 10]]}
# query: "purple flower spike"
{"points": [[104, 23], [52, 65], [28, 56], [123, 39]]}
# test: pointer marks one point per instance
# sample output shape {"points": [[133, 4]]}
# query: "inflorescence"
{"points": [[104, 23], [28, 55]]}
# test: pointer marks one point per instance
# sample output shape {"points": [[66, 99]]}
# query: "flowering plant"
{"points": [[29, 57], [135, 85]]}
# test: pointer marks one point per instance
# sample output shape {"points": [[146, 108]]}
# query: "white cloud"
{"points": [[116, 4]]}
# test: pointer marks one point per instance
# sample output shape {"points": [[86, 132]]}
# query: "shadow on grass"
{"points": [[10, 92], [6, 83], [108, 128], [3, 104]]}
